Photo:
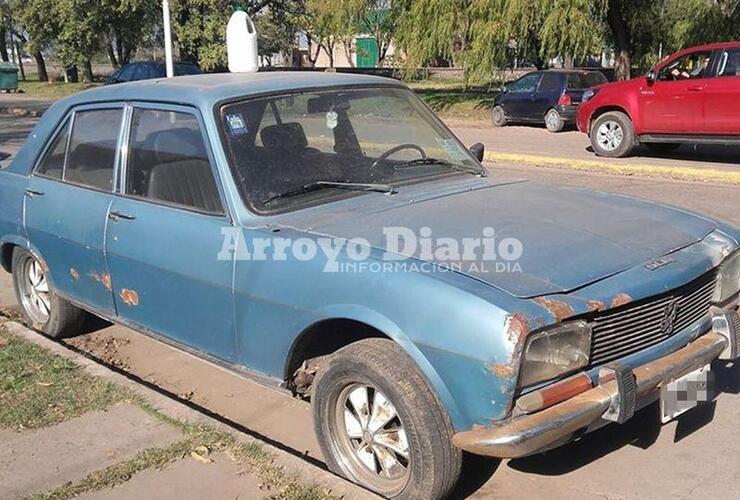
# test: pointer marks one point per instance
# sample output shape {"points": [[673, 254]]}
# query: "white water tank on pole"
{"points": [[241, 43]]}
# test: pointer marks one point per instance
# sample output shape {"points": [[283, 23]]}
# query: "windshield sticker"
{"points": [[453, 150], [331, 120], [237, 125]]}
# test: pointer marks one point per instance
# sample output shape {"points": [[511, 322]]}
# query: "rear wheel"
{"points": [[498, 116], [612, 135], [380, 425], [553, 121], [41, 306], [662, 147]]}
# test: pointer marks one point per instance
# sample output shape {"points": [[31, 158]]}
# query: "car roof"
{"points": [[208, 89]]}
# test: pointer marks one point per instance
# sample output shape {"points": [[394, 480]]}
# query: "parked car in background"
{"points": [[250, 219], [148, 70], [691, 97], [550, 97]]}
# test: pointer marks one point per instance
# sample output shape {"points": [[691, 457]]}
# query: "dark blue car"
{"points": [[148, 70], [550, 96], [327, 234]]}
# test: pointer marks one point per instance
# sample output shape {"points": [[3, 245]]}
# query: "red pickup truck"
{"points": [[690, 97]]}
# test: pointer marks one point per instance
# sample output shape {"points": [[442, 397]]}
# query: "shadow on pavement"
{"points": [[689, 152]]}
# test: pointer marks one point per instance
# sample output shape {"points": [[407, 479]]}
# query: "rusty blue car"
{"points": [[327, 234]]}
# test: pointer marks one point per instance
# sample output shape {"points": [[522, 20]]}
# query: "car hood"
{"points": [[570, 237]]}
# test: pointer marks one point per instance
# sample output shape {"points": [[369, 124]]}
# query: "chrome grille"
{"points": [[633, 327]]}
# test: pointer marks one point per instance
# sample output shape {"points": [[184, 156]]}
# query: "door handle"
{"points": [[116, 216], [31, 193], [696, 88]]}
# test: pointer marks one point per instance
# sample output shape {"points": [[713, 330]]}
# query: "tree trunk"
{"points": [[88, 75], [41, 66], [3, 45], [622, 39], [347, 43], [112, 56]]}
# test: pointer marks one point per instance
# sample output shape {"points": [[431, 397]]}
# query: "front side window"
{"points": [[168, 161], [689, 67], [92, 148], [526, 84], [729, 63], [291, 150], [52, 165]]}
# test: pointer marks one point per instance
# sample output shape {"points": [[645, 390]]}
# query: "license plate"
{"points": [[683, 394]]}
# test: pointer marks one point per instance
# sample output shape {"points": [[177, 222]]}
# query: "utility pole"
{"points": [[167, 39]]}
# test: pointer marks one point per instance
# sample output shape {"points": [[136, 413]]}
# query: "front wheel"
{"points": [[41, 306], [380, 424], [613, 135], [553, 121]]}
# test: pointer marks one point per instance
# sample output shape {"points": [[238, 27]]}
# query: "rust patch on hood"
{"points": [[502, 370], [595, 305], [103, 279], [621, 300], [559, 310], [517, 328], [75, 275], [129, 297]]}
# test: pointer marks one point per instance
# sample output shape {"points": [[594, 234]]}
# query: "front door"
{"points": [[675, 102], [67, 202], [518, 100], [165, 233]]}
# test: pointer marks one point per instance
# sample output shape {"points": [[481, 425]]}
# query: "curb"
{"points": [[305, 470], [693, 174]]}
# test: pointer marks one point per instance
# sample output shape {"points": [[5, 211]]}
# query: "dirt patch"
{"points": [[105, 348]]}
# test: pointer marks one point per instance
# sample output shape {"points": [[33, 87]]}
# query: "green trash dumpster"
{"points": [[8, 77]]}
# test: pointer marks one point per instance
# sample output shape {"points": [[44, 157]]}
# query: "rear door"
{"points": [[675, 102], [723, 94], [519, 99], [67, 202], [165, 232]]}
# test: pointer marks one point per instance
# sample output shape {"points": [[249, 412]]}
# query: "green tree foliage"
{"points": [[128, 23], [80, 25]]}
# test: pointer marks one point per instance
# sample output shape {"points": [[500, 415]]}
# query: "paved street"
{"points": [[697, 456]]}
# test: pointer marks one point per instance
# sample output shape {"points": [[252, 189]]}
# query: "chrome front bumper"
{"points": [[528, 434]]}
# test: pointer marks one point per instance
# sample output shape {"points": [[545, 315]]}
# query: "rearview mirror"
{"points": [[478, 150], [651, 77]]}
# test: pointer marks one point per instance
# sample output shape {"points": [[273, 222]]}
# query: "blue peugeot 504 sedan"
{"points": [[328, 235]]}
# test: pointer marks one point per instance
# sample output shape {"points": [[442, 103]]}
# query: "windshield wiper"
{"points": [[313, 186], [444, 163]]}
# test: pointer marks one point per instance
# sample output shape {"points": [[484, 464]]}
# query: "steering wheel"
{"points": [[396, 149]]}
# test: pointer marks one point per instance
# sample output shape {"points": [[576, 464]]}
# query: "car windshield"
{"points": [[304, 148], [585, 80]]}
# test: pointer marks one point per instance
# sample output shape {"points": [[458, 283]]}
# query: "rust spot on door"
{"points": [[517, 328], [621, 300], [502, 370], [559, 310], [103, 279], [75, 275], [129, 297], [595, 305]]}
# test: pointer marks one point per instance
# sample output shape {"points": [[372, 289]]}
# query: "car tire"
{"points": [[613, 135], [498, 116], [379, 378], [41, 306], [662, 147], [553, 121]]}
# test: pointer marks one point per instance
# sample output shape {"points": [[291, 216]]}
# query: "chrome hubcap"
{"points": [[373, 432], [610, 135], [552, 119], [35, 292]]}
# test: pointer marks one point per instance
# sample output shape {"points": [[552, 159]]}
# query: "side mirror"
{"points": [[651, 76], [478, 150]]}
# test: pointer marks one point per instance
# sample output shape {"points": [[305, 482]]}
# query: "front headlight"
{"points": [[555, 352], [588, 94], [728, 278]]}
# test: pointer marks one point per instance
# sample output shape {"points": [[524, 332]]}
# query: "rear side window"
{"points": [[52, 165], [92, 148], [168, 161], [729, 63], [550, 82]]}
